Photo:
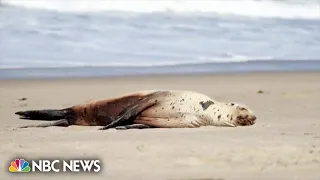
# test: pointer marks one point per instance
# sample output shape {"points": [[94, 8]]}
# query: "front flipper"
{"points": [[185, 121], [132, 111], [63, 122], [132, 126], [228, 124]]}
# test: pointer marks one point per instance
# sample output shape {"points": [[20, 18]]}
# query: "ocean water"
{"points": [[64, 38]]}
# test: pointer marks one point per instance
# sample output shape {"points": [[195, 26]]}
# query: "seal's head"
{"points": [[240, 115]]}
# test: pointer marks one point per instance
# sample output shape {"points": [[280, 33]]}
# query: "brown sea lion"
{"points": [[144, 109]]}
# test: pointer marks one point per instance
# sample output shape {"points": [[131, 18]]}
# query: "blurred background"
{"points": [[63, 38]]}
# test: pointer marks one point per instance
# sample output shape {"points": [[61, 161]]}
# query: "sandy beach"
{"points": [[283, 144]]}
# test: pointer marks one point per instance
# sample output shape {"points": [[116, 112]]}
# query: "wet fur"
{"points": [[168, 109]]}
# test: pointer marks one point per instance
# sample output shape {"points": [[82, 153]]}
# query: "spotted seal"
{"points": [[146, 109]]}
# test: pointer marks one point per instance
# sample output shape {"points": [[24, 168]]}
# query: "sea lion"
{"points": [[146, 109]]}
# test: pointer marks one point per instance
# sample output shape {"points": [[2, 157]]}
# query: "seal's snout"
{"points": [[252, 119], [246, 119]]}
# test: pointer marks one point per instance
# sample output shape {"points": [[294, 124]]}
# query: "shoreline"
{"points": [[160, 76], [188, 69]]}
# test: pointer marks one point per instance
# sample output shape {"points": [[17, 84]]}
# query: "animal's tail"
{"points": [[45, 114]]}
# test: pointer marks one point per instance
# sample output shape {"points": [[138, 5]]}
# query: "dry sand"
{"points": [[283, 144]]}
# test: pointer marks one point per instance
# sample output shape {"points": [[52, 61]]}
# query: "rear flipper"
{"points": [[63, 122], [46, 114]]}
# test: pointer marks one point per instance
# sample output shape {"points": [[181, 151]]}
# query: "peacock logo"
{"points": [[19, 165]]}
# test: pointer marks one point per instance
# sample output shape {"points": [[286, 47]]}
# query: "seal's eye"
{"points": [[241, 108]]}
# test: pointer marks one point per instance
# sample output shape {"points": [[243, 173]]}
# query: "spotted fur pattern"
{"points": [[193, 109], [154, 108]]}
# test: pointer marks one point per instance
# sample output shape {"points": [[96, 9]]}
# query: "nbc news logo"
{"points": [[75, 165]]}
